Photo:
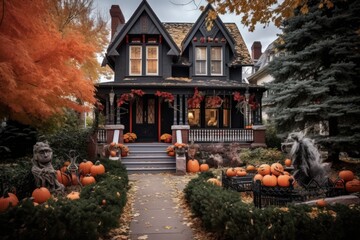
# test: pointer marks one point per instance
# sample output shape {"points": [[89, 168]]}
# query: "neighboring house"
{"points": [[158, 69]]}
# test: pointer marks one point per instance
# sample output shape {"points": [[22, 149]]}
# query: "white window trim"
{"points": [[221, 63], [157, 58], [130, 49], [206, 62]]}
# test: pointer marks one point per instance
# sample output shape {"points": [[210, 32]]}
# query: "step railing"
{"points": [[221, 135], [102, 135]]}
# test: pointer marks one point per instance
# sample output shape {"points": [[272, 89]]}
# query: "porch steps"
{"points": [[148, 158]]}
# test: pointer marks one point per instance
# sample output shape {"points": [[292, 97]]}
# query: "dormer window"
{"points": [[144, 54], [209, 59]]}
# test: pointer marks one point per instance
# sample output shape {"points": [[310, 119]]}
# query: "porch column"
{"points": [[107, 110], [118, 121], [181, 109], [175, 112], [186, 111]]}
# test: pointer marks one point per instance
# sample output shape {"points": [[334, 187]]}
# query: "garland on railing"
{"points": [[129, 97], [196, 99], [165, 96]]}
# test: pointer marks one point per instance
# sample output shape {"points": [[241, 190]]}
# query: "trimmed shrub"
{"points": [[223, 213], [86, 218]]}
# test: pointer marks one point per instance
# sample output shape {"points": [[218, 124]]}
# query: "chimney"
{"points": [[117, 18], [256, 51]]}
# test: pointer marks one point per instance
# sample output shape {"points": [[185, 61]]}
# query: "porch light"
{"points": [[190, 115], [111, 96]]}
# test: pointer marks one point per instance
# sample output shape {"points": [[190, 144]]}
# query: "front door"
{"points": [[145, 116]]}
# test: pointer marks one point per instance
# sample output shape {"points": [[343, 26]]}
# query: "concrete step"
{"points": [[148, 158]]}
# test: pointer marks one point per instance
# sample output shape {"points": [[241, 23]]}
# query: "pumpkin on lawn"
{"points": [[97, 169], [204, 167], [346, 175], [87, 180], [193, 166], [85, 166], [73, 195], [9, 199], [41, 195], [214, 181]]}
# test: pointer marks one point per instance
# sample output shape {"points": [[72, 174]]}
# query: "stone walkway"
{"points": [[156, 211]]}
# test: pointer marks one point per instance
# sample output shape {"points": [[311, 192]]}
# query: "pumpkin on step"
{"points": [[193, 165]]}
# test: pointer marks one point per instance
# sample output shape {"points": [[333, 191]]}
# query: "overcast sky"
{"points": [[171, 11]]}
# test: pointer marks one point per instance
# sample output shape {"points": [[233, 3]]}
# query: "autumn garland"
{"points": [[213, 102], [241, 101], [195, 100], [129, 97], [165, 96]]}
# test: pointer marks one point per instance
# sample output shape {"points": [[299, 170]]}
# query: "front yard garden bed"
{"points": [[225, 214], [96, 212]]}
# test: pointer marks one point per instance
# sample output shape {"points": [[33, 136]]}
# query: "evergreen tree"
{"points": [[317, 79]]}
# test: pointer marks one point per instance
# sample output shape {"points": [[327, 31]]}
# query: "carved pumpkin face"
{"points": [[264, 169], [277, 169]]}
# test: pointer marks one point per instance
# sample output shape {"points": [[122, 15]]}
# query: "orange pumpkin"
{"points": [[85, 166], [97, 169], [87, 180], [250, 168], [283, 180], [214, 181], [171, 153], [113, 153], [73, 195], [241, 172], [264, 169], [204, 167], [41, 195], [8, 200], [74, 179], [346, 175], [231, 172], [193, 166], [276, 169], [269, 180], [288, 162], [62, 178], [352, 186], [258, 176], [321, 203]]}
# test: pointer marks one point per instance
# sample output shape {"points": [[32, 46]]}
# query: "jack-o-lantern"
{"points": [[264, 169], [277, 169]]}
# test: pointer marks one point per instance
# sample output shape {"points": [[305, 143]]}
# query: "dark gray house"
{"points": [[179, 76]]}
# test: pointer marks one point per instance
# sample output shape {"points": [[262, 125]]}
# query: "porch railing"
{"points": [[221, 135], [101, 135]]}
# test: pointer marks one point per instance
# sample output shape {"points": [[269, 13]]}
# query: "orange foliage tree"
{"points": [[40, 67], [260, 11]]}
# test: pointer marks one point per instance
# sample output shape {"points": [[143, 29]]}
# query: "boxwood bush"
{"points": [[60, 218], [223, 213]]}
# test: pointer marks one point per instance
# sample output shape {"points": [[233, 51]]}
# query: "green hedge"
{"points": [[223, 213], [86, 218]]}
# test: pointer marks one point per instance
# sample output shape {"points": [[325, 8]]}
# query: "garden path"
{"points": [[157, 213]]}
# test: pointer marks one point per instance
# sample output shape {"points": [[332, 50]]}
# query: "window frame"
{"points": [[147, 60], [202, 60], [130, 60], [221, 61]]}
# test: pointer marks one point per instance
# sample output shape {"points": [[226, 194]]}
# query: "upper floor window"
{"points": [[143, 55], [202, 58], [135, 60], [152, 60], [200, 61], [216, 61]]}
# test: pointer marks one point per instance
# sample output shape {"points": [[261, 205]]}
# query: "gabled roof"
{"points": [[121, 33], [178, 31]]}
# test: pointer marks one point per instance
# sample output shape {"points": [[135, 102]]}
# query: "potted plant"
{"points": [[166, 138], [170, 150], [124, 149], [130, 137]]}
